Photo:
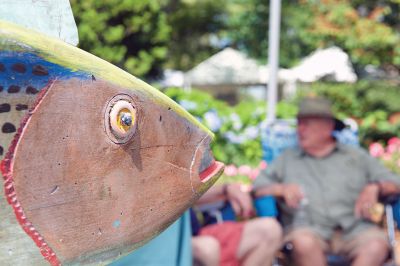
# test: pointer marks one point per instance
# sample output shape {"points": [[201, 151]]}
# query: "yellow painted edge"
{"points": [[61, 53]]}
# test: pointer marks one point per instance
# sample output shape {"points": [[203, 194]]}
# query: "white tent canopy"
{"points": [[228, 67], [332, 63], [232, 67]]}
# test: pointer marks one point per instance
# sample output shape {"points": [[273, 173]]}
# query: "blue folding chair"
{"points": [[171, 248]]}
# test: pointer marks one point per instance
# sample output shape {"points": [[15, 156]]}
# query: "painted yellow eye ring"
{"points": [[120, 119]]}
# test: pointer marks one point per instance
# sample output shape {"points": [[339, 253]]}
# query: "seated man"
{"points": [[251, 242], [335, 185]]}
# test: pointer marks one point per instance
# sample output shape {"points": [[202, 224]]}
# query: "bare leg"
{"points": [[261, 239], [307, 248], [206, 250], [371, 253]]}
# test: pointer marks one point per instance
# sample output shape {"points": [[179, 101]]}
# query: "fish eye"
{"points": [[120, 119]]}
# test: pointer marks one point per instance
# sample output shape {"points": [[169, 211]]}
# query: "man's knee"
{"points": [[206, 248], [271, 229], [267, 229], [374, 248], [305, 243]]}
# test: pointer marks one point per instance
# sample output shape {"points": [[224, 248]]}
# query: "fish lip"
{"points": [[215, 168], [208, 167]]}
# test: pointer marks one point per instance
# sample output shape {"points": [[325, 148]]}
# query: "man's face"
{"points": [[314, 132]]}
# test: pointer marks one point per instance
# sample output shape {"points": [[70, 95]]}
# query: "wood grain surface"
{"points": [[92, 200]]}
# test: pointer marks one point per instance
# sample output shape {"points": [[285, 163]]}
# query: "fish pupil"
{"points": [[126, 119]]}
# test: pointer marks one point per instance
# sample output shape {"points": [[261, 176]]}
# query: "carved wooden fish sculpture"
{"points": [[95, 162]]}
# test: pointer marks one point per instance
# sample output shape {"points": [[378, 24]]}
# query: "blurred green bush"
{"points": [[374, 105], [237, 128]]}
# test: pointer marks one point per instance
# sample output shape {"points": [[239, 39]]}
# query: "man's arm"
{"points": [[240, 200], [381, 182], [290, 193], [387, 188], [215, 193], [370, 195], [275, 190]]}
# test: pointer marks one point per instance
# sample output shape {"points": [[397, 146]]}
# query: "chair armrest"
{"points": [[219, 210], [206, 207], [389, 199]]}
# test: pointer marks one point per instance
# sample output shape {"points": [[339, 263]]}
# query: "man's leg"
{"points": [[206, 250], [308, 248], [373, 253], [261, 239], [368, 248]]}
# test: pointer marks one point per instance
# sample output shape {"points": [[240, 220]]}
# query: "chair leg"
{"points": [[391, 231]]}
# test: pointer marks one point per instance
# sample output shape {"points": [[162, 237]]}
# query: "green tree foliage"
{"points": [[132, 34], [249, 25], [360, 29], [196, 28], [368, 30], [248, 22], [140, 36]]}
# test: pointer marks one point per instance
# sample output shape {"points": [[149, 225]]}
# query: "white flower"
{"points": [[198, 118], [188, 105], [212, 120], [251, 132], [237, 123], [233, 138]]}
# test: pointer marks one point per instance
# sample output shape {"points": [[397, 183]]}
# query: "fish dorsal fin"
{"points": [[51, 17]]}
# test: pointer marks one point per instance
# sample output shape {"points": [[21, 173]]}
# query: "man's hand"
{"points": [[366, 200], [292, 195], [241, 201]]}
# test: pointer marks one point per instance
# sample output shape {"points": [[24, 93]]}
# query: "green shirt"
{"points": [[331, 185]]}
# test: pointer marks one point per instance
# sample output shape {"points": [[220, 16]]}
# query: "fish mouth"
{"points": [[209, 167]]}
